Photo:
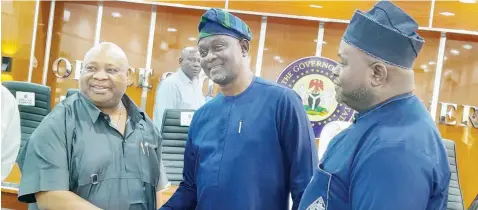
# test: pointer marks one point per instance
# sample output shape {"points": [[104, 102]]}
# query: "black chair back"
{"points": [[455, 197], [31, 116], [174, 143]]}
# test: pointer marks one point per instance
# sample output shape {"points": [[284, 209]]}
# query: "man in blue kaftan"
{"points": [[251, 145], [392, 157]]}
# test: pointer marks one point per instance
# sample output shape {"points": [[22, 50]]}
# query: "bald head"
{"points": [[188, 50], [107, 50], [104, 75], [189, 62], [364, 81]]}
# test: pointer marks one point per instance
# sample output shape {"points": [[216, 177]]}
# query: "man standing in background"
{"points": [[181, 90], [11, 134]]}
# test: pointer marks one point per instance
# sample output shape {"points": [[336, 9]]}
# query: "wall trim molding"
{"points": [[34, 39], [99, 21], [329, 20], [46, 61], [438, 73], [432, 14], [260, 48], [320, 39], [149, 56]]}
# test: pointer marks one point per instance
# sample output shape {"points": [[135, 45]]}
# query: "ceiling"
{"points": [[447, 14]]}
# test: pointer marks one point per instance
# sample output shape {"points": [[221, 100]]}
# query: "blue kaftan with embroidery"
{"points": [[247, 152], [391, 158]]}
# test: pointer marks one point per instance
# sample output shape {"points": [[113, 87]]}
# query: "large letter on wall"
{"points": [[467, 119], [56, 67], [444, 114], [78, 67]]}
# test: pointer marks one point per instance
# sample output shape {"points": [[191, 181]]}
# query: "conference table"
{"points": [[10, 191]]}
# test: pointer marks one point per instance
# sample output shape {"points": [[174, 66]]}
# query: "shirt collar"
{"points": [[380, 105], [185, 77], [94, 112]]}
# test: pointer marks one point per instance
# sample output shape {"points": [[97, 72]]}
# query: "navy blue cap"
{"points": [[387, 33], [219, 22]]}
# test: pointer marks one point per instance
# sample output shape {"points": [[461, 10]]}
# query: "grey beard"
{"points": [[220, 80]]}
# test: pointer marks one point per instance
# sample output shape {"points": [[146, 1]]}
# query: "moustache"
{"points": [[214, 64]]}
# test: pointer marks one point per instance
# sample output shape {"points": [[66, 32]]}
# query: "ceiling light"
{"points": [[116, 14], [445, 58], [276, 57], [265, 49], [424, 66], [315, 6], [468, 1], [467, 46], [315, 40], [432, 63], [281, 61], [172, 30], [192, 39], [455, 52], [447, 14]]}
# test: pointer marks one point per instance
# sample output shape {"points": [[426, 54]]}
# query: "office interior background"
{"points": [[35, 34]]}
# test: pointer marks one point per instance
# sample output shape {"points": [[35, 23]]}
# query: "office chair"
{"points": [[173, 144], [30, 116], [455, 197]]}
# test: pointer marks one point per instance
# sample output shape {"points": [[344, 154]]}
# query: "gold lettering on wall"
{"points": [[469, 120], [56, 67], [445, 115]]}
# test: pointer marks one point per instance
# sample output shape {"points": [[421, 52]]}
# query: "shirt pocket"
{"points": [[149, 160], [316, 196], [140, 156], [132, 154], [144, 164]]}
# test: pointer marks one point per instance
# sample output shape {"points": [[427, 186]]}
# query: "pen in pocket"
{"points": [[147, 147], [142, 147], [240, 127]]}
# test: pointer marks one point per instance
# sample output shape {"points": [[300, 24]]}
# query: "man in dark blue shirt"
{"points": [[251, 145], [392, 157]]}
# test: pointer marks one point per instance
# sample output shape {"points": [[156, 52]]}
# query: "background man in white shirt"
{"points": [[181, 90], [11, 134]]}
